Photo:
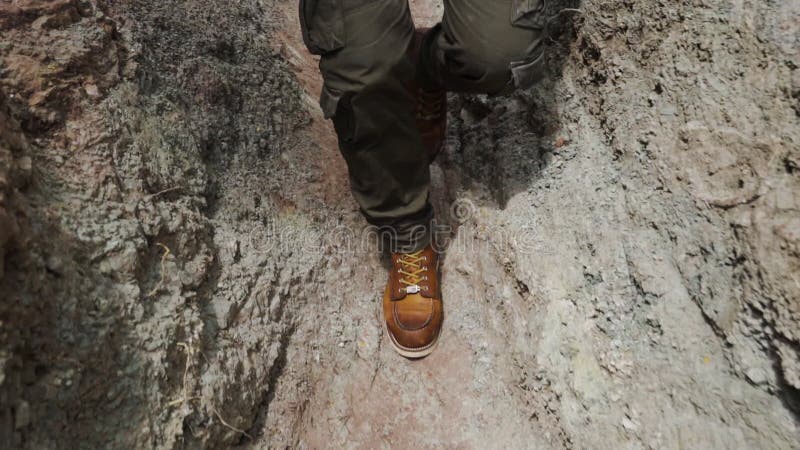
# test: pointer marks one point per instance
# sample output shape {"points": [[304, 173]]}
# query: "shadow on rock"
{"points": [[497, 146]]}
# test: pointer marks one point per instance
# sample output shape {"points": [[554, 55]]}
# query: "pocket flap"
{"points": [[329, 101], [526, 73], [322, 23], [528, 13]]}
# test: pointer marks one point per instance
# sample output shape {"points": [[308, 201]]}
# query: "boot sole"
{"points": [[412, 353]]}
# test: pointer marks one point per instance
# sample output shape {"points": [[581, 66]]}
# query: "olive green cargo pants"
{"points": [[481, 46]]}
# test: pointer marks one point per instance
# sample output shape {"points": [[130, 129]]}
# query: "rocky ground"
{"points": [[181, 264]]}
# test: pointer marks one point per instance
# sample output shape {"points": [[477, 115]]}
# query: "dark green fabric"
{"points": [[475, 49]]}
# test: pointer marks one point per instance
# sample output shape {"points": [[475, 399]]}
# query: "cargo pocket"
{"points": [[527, 72], [322, 24], [528, 14], [339, 108], [329, 101]]}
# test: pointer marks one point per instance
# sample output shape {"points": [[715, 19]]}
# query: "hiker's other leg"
{"points": [[363, 46], [485, 46]]}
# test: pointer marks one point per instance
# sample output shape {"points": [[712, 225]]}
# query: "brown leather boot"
{"points": [[431, 109], [412, 303]]}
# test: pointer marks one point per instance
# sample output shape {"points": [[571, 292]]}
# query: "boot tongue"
{"points": [[409, 275]]}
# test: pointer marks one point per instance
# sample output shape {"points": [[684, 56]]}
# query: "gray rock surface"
{"points": [[181, 264]]}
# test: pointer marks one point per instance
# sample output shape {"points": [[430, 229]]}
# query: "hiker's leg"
{"points": [[364, 64], [485, 46]]}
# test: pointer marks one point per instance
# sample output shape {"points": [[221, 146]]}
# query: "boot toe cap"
{"points": [[418, 329]]}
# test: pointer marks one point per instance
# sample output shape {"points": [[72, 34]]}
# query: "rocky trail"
{"points": [[182, 265]]}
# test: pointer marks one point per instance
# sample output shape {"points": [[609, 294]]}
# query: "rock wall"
{"points": [[183, 265]]}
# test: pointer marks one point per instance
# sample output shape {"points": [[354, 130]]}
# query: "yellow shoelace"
{"points": [[411, 268]]}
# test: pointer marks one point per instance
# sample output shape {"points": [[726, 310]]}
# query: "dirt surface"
{"points": [[182, 265]]}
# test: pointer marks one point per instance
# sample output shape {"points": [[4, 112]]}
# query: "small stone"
{"points": [[54, 264], [40, 23], [756, 375], [91, 90], [628, 424], [25, 163], [22, 418]]}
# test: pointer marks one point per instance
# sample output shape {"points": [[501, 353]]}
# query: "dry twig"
{"points": [[216, 413], [163, 261]]}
